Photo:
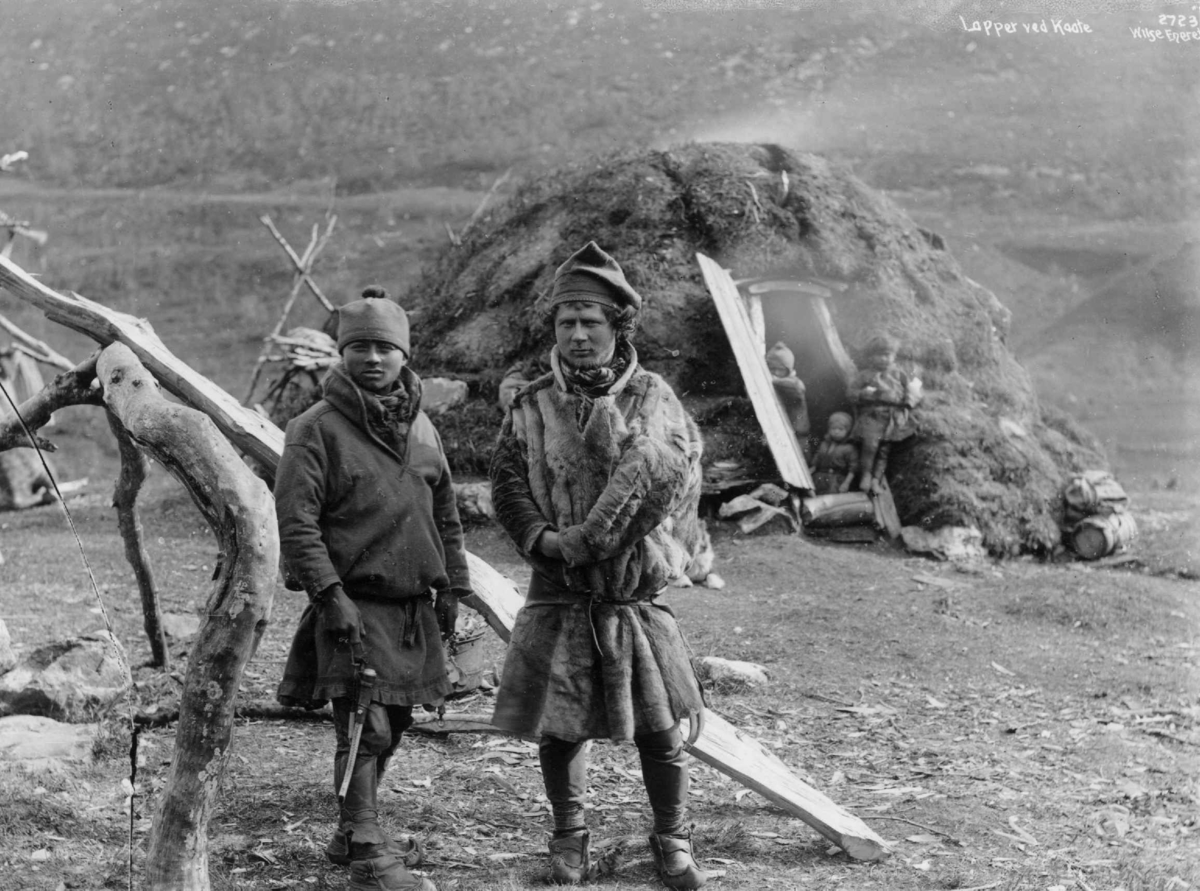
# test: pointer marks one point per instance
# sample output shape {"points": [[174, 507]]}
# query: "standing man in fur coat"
{"points": [[596, 478], [368, 526]]}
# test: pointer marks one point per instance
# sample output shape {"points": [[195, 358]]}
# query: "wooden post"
{"points": [[239, 508]]}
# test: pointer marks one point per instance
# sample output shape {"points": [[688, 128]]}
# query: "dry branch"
{"points": [[35, 348], [303, 275], [239, 508], [134, 469], [297, 262], [246, 428]]}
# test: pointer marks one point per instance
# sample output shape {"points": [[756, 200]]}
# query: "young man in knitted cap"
{"points": [[369, 528], [596, 478]]}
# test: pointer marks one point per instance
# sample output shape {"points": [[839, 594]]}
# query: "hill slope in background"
{"points": [[381, 94], [399, 116]]}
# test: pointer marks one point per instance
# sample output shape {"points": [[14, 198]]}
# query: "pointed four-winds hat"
{"points": [[591, 275]]}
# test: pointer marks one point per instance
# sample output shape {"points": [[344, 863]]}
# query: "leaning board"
{"points": [[781, 439]]}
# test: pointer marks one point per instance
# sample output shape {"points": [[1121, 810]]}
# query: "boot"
{"points": [[569, 859], [359, 832], [676, 866], [338, 849], [406, 848], [385, 873]]}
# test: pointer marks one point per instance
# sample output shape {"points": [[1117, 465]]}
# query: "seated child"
{"points": [[882, 395], [835, 464], [790, 391]]}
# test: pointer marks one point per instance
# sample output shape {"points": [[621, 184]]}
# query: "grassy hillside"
{"points": [[160, 131], [376, 95]]}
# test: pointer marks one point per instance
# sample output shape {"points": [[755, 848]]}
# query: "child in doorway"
{"points": [[883, 396], [790, 391], [835, 464]]}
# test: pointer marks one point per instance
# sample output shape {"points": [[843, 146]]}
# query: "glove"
{"points": [[446, 607], [340, 615]]}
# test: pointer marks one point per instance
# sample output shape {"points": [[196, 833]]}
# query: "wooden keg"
{"points": [[1098, 536]]}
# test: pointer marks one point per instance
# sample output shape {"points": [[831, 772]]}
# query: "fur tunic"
{"points": [[618, 477]]}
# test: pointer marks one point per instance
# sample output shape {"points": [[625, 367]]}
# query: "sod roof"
{"points": [[985, 452]]}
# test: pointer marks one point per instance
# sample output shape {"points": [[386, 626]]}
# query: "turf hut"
{"points": [[985, 453]]}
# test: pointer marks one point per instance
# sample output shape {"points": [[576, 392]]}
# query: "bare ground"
{"points": [[1006, 725]]}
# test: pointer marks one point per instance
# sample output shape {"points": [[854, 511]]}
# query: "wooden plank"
{"points": [[740, 756], [781, 439], [758, 325], [495, 596]]}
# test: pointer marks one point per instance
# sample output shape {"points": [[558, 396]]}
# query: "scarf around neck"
{"points": [[595, 382], [388, 417]]}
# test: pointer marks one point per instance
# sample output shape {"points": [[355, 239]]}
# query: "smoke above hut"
{"points": [[986, 453]]}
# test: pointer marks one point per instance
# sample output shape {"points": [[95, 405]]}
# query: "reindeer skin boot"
{"points": [[676, 866], [374, 864], [569, 859], [338, 849]]}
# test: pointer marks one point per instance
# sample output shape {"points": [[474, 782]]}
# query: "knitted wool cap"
{"points": [[780, 355], [374, 317], [592, 275]]}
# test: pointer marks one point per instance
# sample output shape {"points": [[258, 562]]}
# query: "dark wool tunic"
{"points": [[618, 476], [366, 500]]}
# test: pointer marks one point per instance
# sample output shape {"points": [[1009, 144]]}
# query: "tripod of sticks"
{"points": [[302, 278]]}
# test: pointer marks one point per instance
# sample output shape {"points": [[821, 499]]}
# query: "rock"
{"points": [[440, 394], [956, 543], [474, 501], [69, 680], [730, 676], [7, 657], [39, 743], [180, 625]]}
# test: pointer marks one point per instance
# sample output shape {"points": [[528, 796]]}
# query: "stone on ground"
{"points": [[71, 680]]}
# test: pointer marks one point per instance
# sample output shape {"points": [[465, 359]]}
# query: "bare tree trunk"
{"points": [[238, 507], [134, 467]]}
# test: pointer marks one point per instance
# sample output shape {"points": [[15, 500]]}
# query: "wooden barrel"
{"points": [[840, 509], [1098, 536]]}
